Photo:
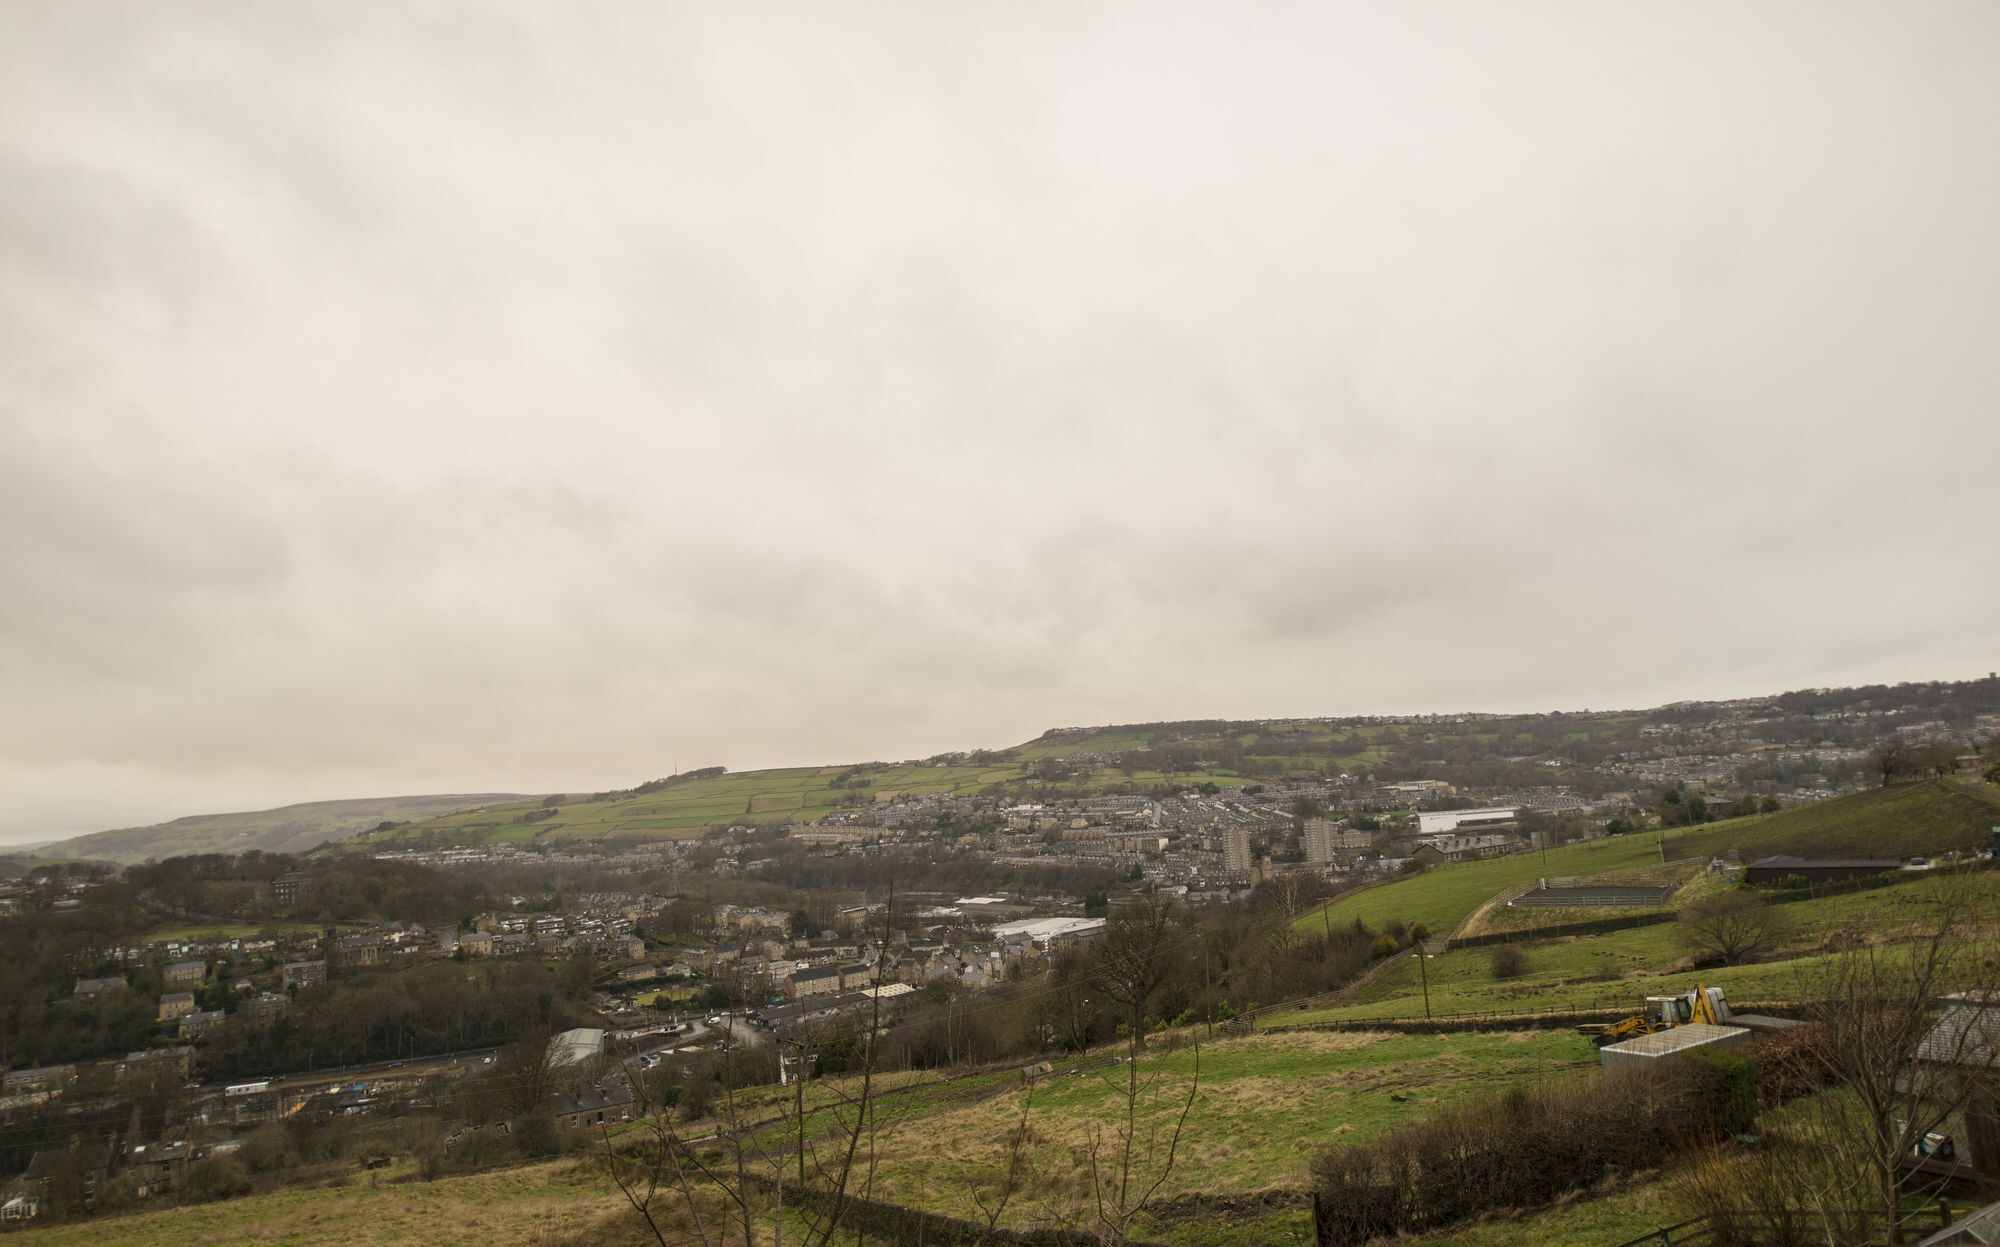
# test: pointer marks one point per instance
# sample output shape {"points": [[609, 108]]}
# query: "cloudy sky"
{"points": [[454, 397]]}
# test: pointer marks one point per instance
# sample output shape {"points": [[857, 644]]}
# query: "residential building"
{"points": [[818, 981], [265, 1007], [184, 975], [594, 1106], [288, 887], [1236, 849], [303, 974], [197, 1024], [40, 1079], [176, 1005]]}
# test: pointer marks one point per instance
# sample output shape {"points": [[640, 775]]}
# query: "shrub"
{"points": [[1789, 1065], [1526, 1149], [1508, 962], [218, 1177], [536, 1135], [1385, 947], [1732, 1088], [269, 1147]]}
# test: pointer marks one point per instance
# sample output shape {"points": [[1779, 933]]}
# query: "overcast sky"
{"points": [[459, 397]]}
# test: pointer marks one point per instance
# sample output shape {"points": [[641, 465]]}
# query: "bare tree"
{"points": [[682, 1190], [1138, 953], [1733, 926], [1133, 1160], [1890, 759], [1017, 1169]]}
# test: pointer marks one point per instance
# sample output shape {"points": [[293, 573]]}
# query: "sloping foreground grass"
{"points": [[1598, 1221], [546, 1203], [1265, 1104]]}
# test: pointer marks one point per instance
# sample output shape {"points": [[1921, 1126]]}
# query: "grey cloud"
{"points": [[491, 397]]}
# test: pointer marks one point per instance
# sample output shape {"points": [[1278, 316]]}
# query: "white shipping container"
{"points": [[1647, 1051]]}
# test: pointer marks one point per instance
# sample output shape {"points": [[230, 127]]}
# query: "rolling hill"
{"points": [[288, 829], [1063, 761]]}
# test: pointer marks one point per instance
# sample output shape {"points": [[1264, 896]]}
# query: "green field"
{"points": [[684, 810], [186, 931], [1593, 1221], [1264, 1106], [1443, 896], [548, 1203], [1927, 817]]}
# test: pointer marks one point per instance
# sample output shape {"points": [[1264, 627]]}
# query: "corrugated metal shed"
{"points": [[1967, 1033], [1978, 1228]]}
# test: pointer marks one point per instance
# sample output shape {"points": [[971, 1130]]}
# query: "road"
{"points": [[473, 1060]]}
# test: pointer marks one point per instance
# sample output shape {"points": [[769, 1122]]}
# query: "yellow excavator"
{"points": [[1703, 1004]]}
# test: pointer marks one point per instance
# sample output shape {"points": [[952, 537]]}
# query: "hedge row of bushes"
{"points": [[1526, 1148]]}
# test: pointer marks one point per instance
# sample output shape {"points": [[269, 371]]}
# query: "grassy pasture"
{"points": [[1442, 897], [1619, 968], [528, 1204], [1928, 817], [1265, 1104]]}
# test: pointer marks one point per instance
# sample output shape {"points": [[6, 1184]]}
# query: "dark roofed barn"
{"points": [[1816, 869]]}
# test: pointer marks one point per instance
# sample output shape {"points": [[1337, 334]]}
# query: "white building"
{"points": [[1437, 822], [574, 1047], [1044, 931]]}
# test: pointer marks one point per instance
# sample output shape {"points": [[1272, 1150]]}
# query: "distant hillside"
{"points": [[289, 829], [1831, 729]]}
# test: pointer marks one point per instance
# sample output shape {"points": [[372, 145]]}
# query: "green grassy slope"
{"points": [[289, 829], [1617, 969], [1443, 896], [683, 809], [1928, 817], [1265, 1104]]}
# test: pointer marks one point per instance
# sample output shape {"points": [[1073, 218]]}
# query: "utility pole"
{"points": [[1207, 986], [799, 1104], [1425, 971]]}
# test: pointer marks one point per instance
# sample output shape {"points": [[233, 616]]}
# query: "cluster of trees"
{"points": [[1898, 759], [1678, 809], [393, 1012], [339, 888]]}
